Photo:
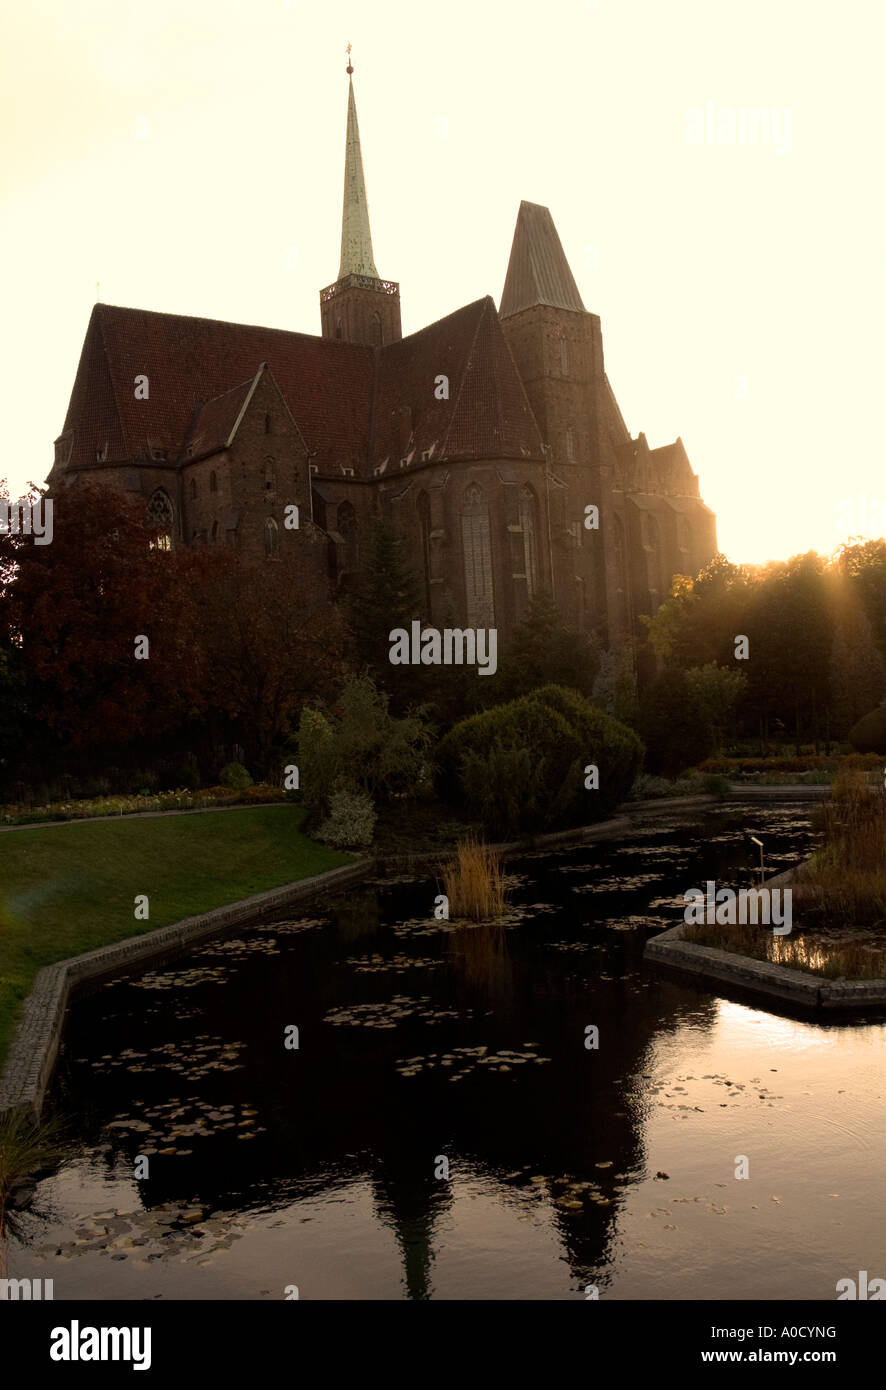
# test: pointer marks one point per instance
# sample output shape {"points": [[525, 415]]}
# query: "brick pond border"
{"points": [[32, 1056]]}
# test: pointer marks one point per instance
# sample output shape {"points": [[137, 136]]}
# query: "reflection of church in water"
{"points": [[486, 437]]}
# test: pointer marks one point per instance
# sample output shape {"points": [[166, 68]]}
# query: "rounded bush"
{"points": [[234, 775], [519, 767], [869, 734]]}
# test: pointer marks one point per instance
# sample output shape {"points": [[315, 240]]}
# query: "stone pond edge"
{"points": [[32, 1055], [796, 986]]}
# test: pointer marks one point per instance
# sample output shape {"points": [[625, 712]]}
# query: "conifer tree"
{"points": [[388, 597]]}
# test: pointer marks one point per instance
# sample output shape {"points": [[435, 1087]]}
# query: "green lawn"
{"points": [[70, 888]]}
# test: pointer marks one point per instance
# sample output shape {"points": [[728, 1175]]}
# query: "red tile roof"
{"points": [[346, 399]]}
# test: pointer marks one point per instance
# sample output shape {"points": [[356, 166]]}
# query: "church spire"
{"points": [[356, 239], [360, 307]]}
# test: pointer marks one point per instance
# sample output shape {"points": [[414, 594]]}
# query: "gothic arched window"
{"points": [[423, 507], [528, 507], [375, 331], [346, 524], [213, 482], [161, 519], [215, 530], [272, 539], [477, 549]]}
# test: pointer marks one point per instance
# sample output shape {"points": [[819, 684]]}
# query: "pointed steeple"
{"points": [[538, 271], [360, 307], [356, 239]]}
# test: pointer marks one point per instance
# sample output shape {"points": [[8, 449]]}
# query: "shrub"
{"points": [[646, 786], [520, 766], [364, 745], [869, 734], [185, 775], [613, 747], [715, 784], [233, 775], [351, 820], [316, 762]]}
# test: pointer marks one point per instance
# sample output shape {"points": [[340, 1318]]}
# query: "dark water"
{"points": [[422, 1044]]}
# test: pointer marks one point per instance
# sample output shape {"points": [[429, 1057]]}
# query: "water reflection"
{"points": [[427, 1043]]}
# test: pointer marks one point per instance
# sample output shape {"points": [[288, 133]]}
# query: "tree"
{"points": [[545, 650], [387, 598], [267, 646], [75, 609], [714, 690], [674, 735]]}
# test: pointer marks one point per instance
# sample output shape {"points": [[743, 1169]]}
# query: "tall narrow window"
{"points": [[346, 519], [652, 542], [570, 445], [215, 530], [564, 355], [192, 488], [529, 528], [477, 550], [684, 541], [376, 335], [213, 482], [272, 539], [423, 507], [620, 570]]}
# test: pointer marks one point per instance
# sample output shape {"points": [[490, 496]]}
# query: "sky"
{"points": [[715, 169]]}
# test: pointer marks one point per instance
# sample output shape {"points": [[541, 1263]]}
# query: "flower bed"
{"points": [[178, 800]]}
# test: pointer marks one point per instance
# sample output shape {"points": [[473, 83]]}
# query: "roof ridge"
{"points": [[467, 360], [124, 434]]}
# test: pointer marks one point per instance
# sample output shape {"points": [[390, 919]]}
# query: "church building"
{"points": [[491, 439]]}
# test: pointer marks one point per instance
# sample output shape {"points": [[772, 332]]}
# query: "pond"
{"points": [[322, 1168]]}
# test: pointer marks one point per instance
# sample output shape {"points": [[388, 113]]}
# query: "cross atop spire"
{"points": [[349, 69], [356, 239]]}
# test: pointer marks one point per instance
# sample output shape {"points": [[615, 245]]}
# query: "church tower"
{"points": [[558, 348], [360, 307]]}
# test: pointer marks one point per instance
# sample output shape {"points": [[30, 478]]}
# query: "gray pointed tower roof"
{"points": [[538, 271], [356, 240]]}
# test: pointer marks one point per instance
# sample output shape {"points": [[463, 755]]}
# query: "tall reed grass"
{"points": [[473, 881]]}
